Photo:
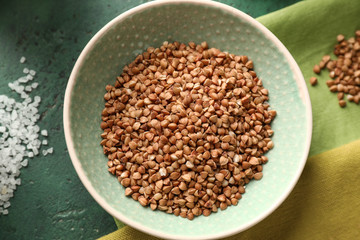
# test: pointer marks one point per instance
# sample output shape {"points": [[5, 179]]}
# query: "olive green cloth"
{"points": [[308, 29], [325, 204]]}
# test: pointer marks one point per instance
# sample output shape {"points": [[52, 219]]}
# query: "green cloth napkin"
{"points": [[308, 29], [325, 203]]}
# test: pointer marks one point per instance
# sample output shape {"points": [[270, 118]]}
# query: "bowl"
{"points": [[223, 27]]}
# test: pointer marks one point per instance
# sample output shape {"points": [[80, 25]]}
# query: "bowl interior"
{"points": [[118, 44]]}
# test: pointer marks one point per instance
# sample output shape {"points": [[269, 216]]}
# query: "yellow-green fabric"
{"points": [[308, 29], [325, 203]]}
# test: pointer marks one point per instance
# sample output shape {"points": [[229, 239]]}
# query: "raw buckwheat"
{"points": [[185, 128], [345, 70]]}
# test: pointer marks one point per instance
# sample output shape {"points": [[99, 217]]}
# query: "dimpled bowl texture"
{"points": [[223, 27]]}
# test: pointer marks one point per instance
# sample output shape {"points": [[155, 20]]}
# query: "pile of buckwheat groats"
{"points": [[19, 135], [344, 71], [186, 127]]}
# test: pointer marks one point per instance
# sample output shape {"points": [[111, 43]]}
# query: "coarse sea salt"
{"points": [[22, 59], [19, 135]]}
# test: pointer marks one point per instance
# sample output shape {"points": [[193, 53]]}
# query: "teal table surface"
{"points": [[51, 202]]}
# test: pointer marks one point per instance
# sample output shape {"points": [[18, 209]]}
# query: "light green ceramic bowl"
{"points": [[223, 27]]}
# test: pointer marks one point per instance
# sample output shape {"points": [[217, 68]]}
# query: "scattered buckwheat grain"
{"points": [[344, 71]]}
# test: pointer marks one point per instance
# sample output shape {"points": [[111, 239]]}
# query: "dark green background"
{"points": [[52, 203]]}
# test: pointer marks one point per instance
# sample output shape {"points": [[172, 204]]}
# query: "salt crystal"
{"points": [[6, 204], [18, 181], [37, 99], [14, 115], [44, 132], [11, 101], [27, 100], [18, 105], [32, 72], [37, 143], [44, 152], [50, 150], [11, 86], [35, 151], [23, 80], [22, 59], [34, 85], [29, 77], [44, 142], [24, 163], [36, 128], [25, 70], [24, 95], [19, 89]]}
